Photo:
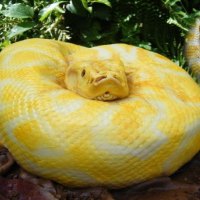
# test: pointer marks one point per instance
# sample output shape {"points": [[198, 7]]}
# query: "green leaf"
{"points": [[19, 10], [20, 28], [93, 33], [79, 7], [45, 12], [101, 11], [4, 44], [171, 2], [85, 5], [105, 2], [176, 23]]}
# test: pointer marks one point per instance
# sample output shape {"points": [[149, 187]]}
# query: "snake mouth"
{"points": [[106, 97]]}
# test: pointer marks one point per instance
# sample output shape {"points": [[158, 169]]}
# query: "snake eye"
{"points": [[83, 73]]}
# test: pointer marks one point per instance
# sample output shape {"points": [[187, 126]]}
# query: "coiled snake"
{"points": [[111, 115]]}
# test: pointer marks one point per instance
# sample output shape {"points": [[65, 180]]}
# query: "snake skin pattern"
{"points": [[58, 134], [192, 49]]}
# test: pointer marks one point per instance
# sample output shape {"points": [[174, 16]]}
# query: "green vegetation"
{"points": [[158, 25]]}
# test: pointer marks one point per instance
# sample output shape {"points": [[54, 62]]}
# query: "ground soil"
{"points": [[17, 184]]}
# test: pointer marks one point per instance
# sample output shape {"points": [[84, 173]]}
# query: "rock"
{"points": [[16, 183], [6, 160], [23, 190], [157, 189]]}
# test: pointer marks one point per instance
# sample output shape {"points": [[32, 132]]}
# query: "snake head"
{"points": [[102, 80]]}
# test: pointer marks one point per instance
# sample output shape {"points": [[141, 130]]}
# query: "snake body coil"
{"points": [[192, 49], [77, 141]]}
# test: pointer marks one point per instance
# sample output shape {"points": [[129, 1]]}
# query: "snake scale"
{"points": [[110, 115]]}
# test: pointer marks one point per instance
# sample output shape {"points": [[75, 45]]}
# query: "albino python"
{"points": [[110, 115]]}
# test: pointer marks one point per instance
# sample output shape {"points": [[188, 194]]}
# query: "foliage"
{"points": [[158, 25]]}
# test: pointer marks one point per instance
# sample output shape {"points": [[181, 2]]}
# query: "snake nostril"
{"points": [[91, 80], [115, 76], [83, 73]]}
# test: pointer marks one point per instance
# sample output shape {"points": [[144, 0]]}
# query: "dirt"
{"points": [[17, 184]]}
